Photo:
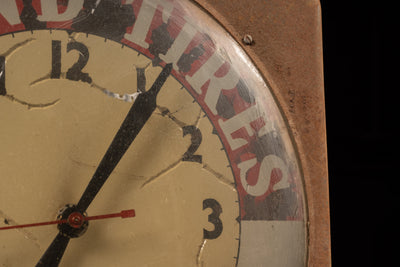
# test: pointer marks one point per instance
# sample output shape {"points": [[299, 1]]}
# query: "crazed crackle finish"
{"points": [[246, 151]]}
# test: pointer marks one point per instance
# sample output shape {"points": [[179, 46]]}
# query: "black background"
{"points": [[362, 104]]}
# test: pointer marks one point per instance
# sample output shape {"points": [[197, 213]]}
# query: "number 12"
{"points": [[75, 72]]}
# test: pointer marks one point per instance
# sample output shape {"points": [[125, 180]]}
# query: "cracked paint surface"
{"points": [[199, 259], [221, 178], [23, 231], [73, 37], [161, 173], [8, 54], [13, 49], [71, 135], [31, 105]]}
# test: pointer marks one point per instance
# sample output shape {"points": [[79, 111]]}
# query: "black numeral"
{"points": [[75, 72], [3, 90], [213, 218], [196, 139]]}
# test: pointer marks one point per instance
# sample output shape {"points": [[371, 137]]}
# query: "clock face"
{"points": [[154, 107]]}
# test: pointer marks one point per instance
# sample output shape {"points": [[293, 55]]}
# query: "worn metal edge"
{"points": [[296, 25]]}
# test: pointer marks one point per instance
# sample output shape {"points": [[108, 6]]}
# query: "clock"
{"points": [[143, 133]]}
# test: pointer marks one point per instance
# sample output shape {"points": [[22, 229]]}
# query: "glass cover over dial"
{"points": [[144, 107]]}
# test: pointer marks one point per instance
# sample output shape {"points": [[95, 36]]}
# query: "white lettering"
{"points": [[9, 10], [268, 164], [241, 120], [202, 75], [217, 84], [50, 10], [144, 19], [180, 44]]}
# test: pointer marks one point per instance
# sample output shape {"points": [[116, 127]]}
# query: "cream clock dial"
{"points": [[177, 170], [135, 135]]}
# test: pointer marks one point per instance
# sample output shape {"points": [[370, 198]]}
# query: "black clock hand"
{"points": [[138, 115], [54, 253]]}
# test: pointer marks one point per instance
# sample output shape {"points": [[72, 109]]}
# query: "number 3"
{"points": [[213, 218]]}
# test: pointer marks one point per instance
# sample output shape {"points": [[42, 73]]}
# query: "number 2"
{"points": [[196, 139]]}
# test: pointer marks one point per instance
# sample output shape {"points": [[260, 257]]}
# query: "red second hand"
{"points": [[123, 214]]}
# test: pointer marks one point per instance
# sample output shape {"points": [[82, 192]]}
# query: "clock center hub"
{"points": [[76, 220], [75, 225]]}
